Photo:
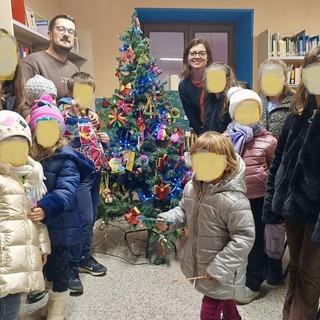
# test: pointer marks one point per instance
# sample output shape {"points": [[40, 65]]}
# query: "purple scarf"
{"points": [[240, 135]]}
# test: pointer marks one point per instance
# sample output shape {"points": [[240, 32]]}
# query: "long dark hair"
{"points": [[302, 97], [14, 87], [186, 71]]}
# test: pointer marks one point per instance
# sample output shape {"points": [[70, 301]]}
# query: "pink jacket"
{"points": [[257, 155]]}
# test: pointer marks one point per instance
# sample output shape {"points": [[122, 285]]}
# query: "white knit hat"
{"points": [[12, 125], [37, 86], [237, 95]]}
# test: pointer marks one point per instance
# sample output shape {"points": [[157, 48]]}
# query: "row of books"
{"points": [[294, 75], [35, 22], [23, 51], [292, 46]]}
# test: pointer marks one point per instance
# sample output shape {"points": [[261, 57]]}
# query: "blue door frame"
{"points": [[241, 18]]}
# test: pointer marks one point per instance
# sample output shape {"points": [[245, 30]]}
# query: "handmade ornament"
{"points": [[143, 160], [132, 216], [137, 28], [161, 191], [177, 136], [125, 89], [116, 166], [128, 159], [128, 55], [175, 113], [162, 133], [116, 118], [143, 59], [105, 103], [141, 126], [148, 109], [161, 161], [162, 240], [123, 107]]}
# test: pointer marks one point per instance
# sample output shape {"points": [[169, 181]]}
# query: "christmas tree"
{"points": [[146, 170]]}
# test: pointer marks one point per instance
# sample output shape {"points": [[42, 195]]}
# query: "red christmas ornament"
{"points": [[132, 216], [161, 191]]}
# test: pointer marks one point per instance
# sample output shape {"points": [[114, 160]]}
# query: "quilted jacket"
{"points": [[22, 241], [221, 234]]}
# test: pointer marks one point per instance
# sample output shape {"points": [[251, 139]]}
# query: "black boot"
{"points": [[274, 272]]}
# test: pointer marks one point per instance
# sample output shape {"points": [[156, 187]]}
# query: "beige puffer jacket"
{"points": [[22, 242], [221, 234]]}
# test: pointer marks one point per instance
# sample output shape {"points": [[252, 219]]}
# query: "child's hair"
{"points": [[41, 112], [80, 78], [16, 85], [231, 82], [286, 88], [302, 96], [218, 143], [186, 72], [38, 153]]}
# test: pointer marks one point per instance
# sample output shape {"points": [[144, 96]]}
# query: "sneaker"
{"points": [[274, 272], [93, 267], [249, 296], [75, 286], [36, 296]]}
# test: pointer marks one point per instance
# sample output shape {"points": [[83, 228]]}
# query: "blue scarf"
{"points": [[240, 135]]}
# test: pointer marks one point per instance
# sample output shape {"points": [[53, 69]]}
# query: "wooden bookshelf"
{"points": [[265, 52], [29, 37]]}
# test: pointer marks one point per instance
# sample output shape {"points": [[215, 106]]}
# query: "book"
{"points": [[301, 42], [297, 75], [30, 18], [42, 26], [292, 76], [17, 8]]}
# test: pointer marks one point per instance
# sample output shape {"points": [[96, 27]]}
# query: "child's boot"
{"points": [[57, 305], [274, 272], [44, 309]]}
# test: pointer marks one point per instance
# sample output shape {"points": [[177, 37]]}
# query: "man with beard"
{"points": [[53, 63]]}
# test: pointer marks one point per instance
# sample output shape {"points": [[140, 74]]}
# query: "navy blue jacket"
{"points": [[64, 171]]}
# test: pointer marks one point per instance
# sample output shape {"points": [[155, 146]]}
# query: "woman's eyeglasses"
{"points": [[201, 54]]}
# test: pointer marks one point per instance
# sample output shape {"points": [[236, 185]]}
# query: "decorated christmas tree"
{"points": [[146, 170]]}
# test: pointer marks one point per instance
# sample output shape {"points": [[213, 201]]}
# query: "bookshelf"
{"points": [[29, 37], [268, 48]]}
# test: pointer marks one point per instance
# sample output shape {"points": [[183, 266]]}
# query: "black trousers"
{"points": [[257, 259], [57, 268]]}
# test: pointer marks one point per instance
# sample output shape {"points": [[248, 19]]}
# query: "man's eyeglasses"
{"points": [[201, 54], [63, 30]]}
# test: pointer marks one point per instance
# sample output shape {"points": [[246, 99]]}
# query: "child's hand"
{"points": [[44, 259], [74, 108], [162, 226], [94, 118], [36, 214], [104, 137], [213, 281]]}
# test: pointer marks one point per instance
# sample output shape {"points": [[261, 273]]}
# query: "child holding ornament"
{"points": [[221, 232], [84, 138]]}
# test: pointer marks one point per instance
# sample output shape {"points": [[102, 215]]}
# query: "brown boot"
{"points": [[57, 305]]}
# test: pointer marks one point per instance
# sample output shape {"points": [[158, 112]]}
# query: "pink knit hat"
{"points": [[46, 113]]}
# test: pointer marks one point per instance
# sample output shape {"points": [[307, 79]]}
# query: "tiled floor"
{"points": [[136, 289]]}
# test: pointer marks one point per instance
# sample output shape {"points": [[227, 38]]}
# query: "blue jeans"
{"points": [[88, 202], [10, 307]]}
